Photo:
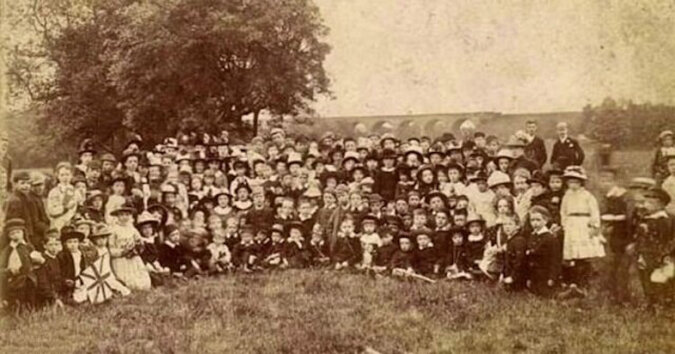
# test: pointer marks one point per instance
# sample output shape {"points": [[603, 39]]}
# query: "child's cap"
{"points": [[277, 228], [369, 219], [295, 225], [169, 229], [538, 209], [473, 218], [15, 224]]}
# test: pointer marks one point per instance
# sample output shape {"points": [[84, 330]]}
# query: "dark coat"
{"points": [[40, 220], [19, 205], [67, 266], [543, 262], [172, 257], [49, 280], [615, 213], [296, 255], [514, 260], [384, 255], [425, 260], [17, 287], [656, 239], [536, 151], [403, 260], [385, 184], [457, 256], [347, 250], [567, 152], [317, 252]]}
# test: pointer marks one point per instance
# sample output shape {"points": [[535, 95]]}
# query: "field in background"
{"points": [[326, 312]]}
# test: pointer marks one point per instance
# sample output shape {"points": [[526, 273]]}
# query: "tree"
{"points": [[149, 66]]}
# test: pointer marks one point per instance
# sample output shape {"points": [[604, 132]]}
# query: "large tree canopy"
{"points": [[152, 65]]}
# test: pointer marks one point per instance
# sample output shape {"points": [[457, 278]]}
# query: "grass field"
{"points": [[326, 312]]}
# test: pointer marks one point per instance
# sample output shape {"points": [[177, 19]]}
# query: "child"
{"points": [[295, 252], [49, 280], [99, 238], [263, 242], [403, 258], [231, 232], [385, 252], [171, 254], [71, 260], [386, 177], [618, 229], [149, 246], [481, 198], [244, 252], [476, 241], [221, 258], [543, 266], [580, 218], [124, 242], [17, 278], [223, 208], [655, 247], [274, 257], [318, 248], [457, 263], [346, 252], [426, 260], [514, 273], [419, 219], [196, 256]]}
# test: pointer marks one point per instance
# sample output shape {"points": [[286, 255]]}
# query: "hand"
{"points": [[508, 280], [550, 282], [70, 283], [58, 303], [555, 228]]}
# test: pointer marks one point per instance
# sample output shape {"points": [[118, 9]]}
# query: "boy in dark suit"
{"points": [[426, 261], [71, 260], [543, 264], [49, 279], [404, 257], [17, 279]]}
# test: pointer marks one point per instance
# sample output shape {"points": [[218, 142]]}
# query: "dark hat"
{"points": [[537, 177], [455, 166], [108, 157], [388, 154], [128, 155], [447, 137], [658, 193], [375, 198], [478, 176], [277, 228], [169, 229], [295, 224], [436, 193], [15, 223], [87, 145], [369, 218], [69, 232], [643, 183], [422, 231], [393, 219], [21, 176], [163, 211]]}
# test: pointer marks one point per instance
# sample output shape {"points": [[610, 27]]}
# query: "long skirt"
{"points": [[132, 272], [578, 243]]}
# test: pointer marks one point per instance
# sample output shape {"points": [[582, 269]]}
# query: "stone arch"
{"points": [[408, 128], [436, 127], [383, 126]]}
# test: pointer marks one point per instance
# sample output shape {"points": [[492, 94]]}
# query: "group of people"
{"points": [[470, 207]]}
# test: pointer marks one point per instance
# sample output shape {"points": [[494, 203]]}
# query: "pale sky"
{"points": [[438, 56]]}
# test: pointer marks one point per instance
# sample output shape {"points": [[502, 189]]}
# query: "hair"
{"points": [[63, 164], [531, 121], [538, 209], [509, 199]]}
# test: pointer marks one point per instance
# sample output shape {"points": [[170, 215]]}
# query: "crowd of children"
{"points": [[462, 208]]}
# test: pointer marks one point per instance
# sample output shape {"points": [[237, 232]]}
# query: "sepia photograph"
{"points": [[337, 176]]}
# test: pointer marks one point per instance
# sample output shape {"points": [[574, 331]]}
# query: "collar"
{"points": [[169, 243], [563, 140], [315, 243], [430, 245], [543, 230], [475, 238], [15, 244], [616, 191], [661, 214]]}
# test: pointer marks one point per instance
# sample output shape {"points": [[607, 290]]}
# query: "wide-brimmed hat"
{"points": [[498, 178], [350, 155], [100, 230], [656, 192], [436, 193], [474, 217], [537, 177], [576, 172], [665, 133], [126, 207], [514, 142], [69, 232], [503, 154], [414, 150], [14, 224], [147, 218]]}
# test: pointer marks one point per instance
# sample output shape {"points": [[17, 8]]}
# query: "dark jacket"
{"points": [[171, 257], [543, 261], [403, 260], [567, 152], [536, 151], [49, 280], [426, 260]]}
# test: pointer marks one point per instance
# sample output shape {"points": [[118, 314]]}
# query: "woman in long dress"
{"points": [[123, 244]]}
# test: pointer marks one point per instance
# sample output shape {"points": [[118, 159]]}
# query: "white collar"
{"points": [[616, 191], [475, 238], [170, 244], [543, 230], [661, 214]]}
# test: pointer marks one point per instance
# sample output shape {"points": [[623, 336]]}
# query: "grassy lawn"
{"points": [[325, 312]]}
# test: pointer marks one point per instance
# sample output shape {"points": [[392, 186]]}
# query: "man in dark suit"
{"points": [[19, 206], [566, 151], [536, 148]]}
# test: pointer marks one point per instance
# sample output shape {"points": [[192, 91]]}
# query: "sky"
{"points": [[441, 56]]}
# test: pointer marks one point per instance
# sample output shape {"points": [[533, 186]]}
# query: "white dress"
{"points": [[129, 269], [580, 214]]}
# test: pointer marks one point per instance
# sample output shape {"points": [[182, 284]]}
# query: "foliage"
{"points": [[330, 312], [151, 65], [626, 124]]}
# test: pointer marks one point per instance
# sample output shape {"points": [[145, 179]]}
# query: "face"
{"points": [[503, 165], [493, 146], [355, 200], [343, 198], [457, 239], [509, 226], [573, 184], [667, 141], [423, 240], [131, 163], [16, 235], [124, 218], [242, 194], [531, 128], [537, 221], [503, 207], [72, 245], [404, 244], [454, 175], [419, 219], [369, 227], [503, 190], [520, 183], [414, 200], [329, 199], [295, 234], [555, 183], [436, 203], [305, 208], [118, 188], [441, 219], [347, 227], [462, 203], [460, 220], [475, 228], [561, 129], [537, 189], [64, 175], [22, 186], [52, 245], [480, 142], [427, 176]]}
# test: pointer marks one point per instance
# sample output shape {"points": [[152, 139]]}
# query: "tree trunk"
{"points": [[255, 123]]}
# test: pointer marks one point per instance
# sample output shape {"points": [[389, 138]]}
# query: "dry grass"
{"points": [[327, 312]]}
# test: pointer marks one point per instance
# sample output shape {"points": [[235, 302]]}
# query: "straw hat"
{"points": [[576, 172]]}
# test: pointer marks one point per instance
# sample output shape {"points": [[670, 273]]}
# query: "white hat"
{"points": [[577, 172], [498, 178]]}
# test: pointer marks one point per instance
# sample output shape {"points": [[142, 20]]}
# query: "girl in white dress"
{"points": [[580, 219], [125, 259]]}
